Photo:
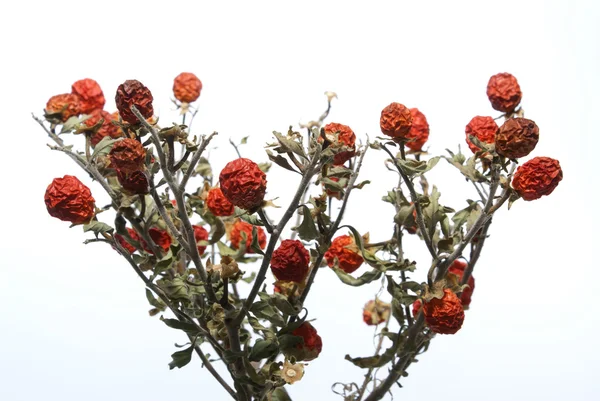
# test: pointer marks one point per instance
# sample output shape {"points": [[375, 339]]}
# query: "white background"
{"points": [[74, 323]]}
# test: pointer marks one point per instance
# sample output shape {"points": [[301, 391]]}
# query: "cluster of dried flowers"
{"points": [[266, 343]]}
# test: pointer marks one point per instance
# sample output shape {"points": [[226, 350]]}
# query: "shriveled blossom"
{"points": [[517, 137], [200, 234], [124, 243], [134, 183], [64, 106], [243, 183], [68, 199], [107, 128], [332, 192], [187, 87], [537, 177], [133, 93], [340, 135], [345, 250], [396, 121], [419, 131], [445, 315], [160, 237], [90, 95], [127, 155], [311, 345], [483, 128], [290, 261], [504, 92], [218, 204], [458, 267], [376, 311], [239, 227], [292, 372]]}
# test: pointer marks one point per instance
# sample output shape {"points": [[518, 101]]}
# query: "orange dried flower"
{"points": [[347, 253], [445, 315], [106, 129], [218, 204], [68, 199], [419, 131], [504, 92], [160, 237], [133, 93], [376, 311], [187, 87], [537, 177], [90, 95], [243, 183], [127, 155], [517, 137], [311, 345], [239, 227], [65, 105], [396, 121], [340, 135], [200, 234], [333, 193], [134, 183], [482, 128], [290, 261], [458, 267]]}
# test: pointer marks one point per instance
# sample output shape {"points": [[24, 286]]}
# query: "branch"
{"points": [[212, 370], [205, 141]]}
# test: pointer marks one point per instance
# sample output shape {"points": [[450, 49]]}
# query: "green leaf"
{"points": [[281, 302], [280, 394], [181, 358], [307, 230], [263, 349], [248, 218], [224, 250], [415, 168], [164, 263], [263, 310], [365, 278], [290, 145], [103, 147], [97, 227], [188, 327], [255, 246], [287, 341], [281, 161]]}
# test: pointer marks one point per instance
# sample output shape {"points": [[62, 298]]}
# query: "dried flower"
{"points": [[310, 346], [90, 95], [226, 269], [416, 307], [68, 199], [344, 249], [458, 268], [127, 155], [239, 227], [100, 131], [445, 315], [160, 237], [290, 261], [332, 192], [396, 121], [288, 288], [537, 177], [133, 93], [376, 311], [504, 92], [187, 87], [419, 131], [292, 372], [123, 242], [517, 137], [218, 204], [200, 234], [134, 183], [243, 183], [482, 128], [340, 135], [63, 106]]}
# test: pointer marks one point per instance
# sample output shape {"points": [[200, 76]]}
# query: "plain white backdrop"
{"points": [[74, 322]]}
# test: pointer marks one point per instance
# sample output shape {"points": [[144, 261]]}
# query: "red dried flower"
{"points": [[537, 177], [90, 95], [218, 204], [243, 183], [416, 307], [517, 137], [376, 311], [235, 236], [504, 92], [160, 237], [458, 267], [200, 234], [133, 93], [187, 87], [340, 135], [396, 121], [482, 128], [68, 199], [419, 131], [66, 106], [123, 242], [127, 155], [134, 183], [333, 193], [106, 129], [347, 253], [445, 315], [290, 261], [311, 345]]}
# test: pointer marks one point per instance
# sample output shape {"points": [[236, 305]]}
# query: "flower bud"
{"points": [[445, 315], [218, 204], [504, 92], [311, 345], [458, 268], [290, 261], [344, 249], [200, 234], [127, 155], [133, 93], [63, 106], [419, 131], [68, 199], [243, 183], [90, 95], [187, 87], [376, 311], [537, 177], [517, 137], [239, 227], [340, 135], [482, 128], [396, 121]]}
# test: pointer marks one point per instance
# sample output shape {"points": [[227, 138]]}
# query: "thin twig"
{"points": [[212, 370]]}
